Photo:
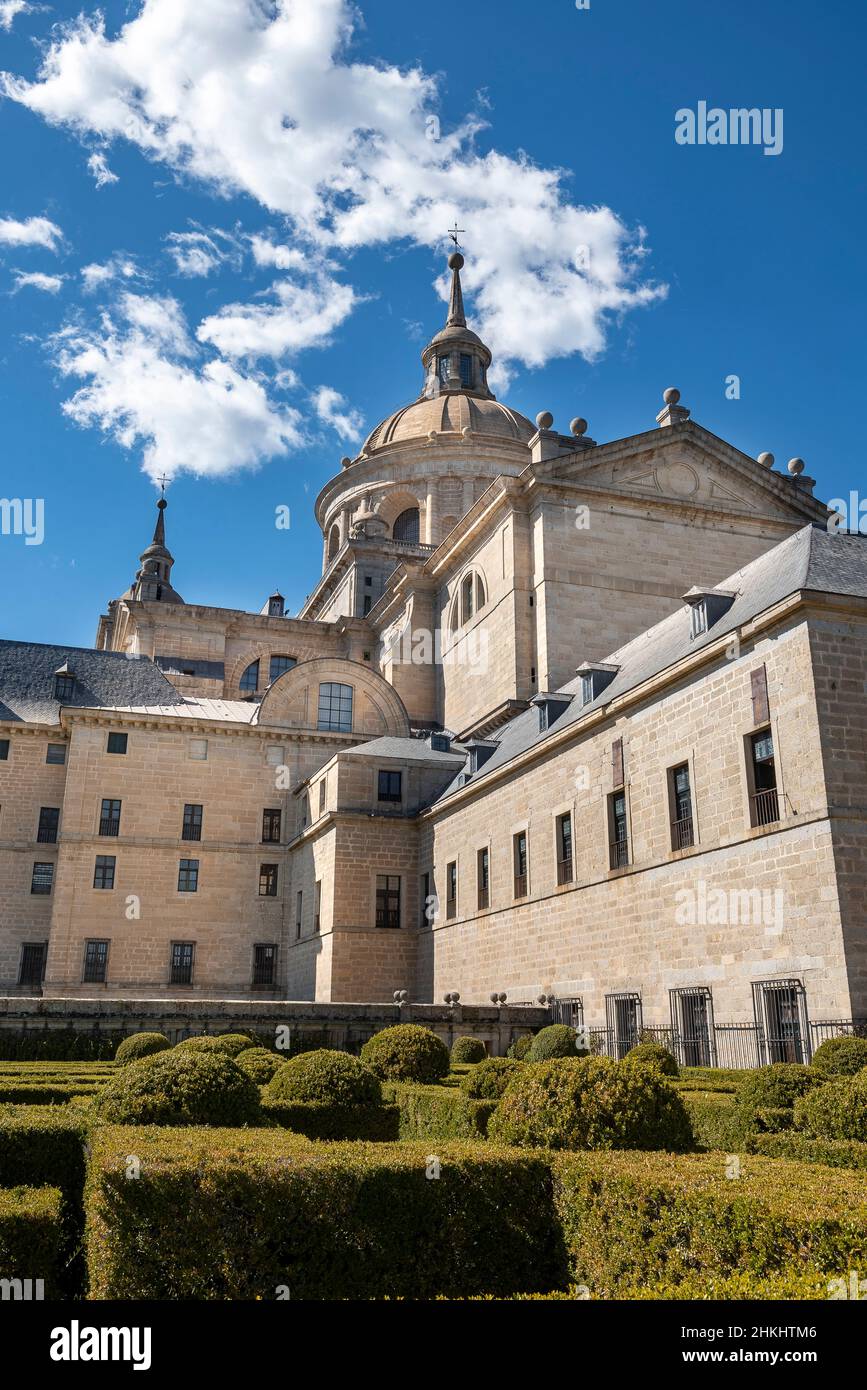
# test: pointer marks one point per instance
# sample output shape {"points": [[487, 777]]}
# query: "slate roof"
{"points": [[193, 707], [411, 750], [811, 559], [104, 680]]}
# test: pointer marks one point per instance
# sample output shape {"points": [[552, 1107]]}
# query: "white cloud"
{"points": [[267, 252], [332, 409], [37, 281], [197, 253], [97, 274], [147, 385], [34, 231], [98, 167], [10, 10], [263, 99]]}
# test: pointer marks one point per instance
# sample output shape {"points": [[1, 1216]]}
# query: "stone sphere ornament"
{"points": [[544, 419], [671, 395], [578, 427], [795, 467], [766, 460], [456, 261]]}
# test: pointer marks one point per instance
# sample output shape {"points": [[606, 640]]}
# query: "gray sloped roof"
{"points": [[410, 750], [811, 559], [103, 680]]}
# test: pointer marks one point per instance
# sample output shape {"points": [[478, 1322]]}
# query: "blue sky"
{"points": [[314, 134]]}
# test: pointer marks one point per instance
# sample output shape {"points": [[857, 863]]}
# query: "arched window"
{"points": [[406, 527], [471, 598], [333, 541], [480, 593], [250, 679], [279, 664], [335, 708], [467, 598]]}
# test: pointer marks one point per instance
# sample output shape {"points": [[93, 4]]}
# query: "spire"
{"points": [[153, 580], [456, 359], [456, 299]]}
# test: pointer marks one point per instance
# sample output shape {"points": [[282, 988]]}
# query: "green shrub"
{"points": [[234, 1043], [180, 1088], [520, 1047], [31, 1236], [375, 1123], [468, 1050], [259, 1063], [713, 1078], [770, 1119], [653, 1054], [406, 1052], [438, 1112], [44, 1146], [490, 1078], [841, 1056], [228, 1043], [239, 1215], [591, 1103], [717, 1122], [325, 1078], [837, 1110], [141, 1045], [42, 1094], [557, 1040], [57, 1044], [776, 1087], [835, 1153]]}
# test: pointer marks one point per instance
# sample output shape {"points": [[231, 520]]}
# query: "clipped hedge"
{"points": [[406, 1052], [557, 1040], [259, 1064], [717, 1121], [837, 1110], [488, 1081], [591, 1103], [520, 1047], [43, 1094], [141, 1045], [57, 1045], [776, 1087], [438, 1112], [468, 1050], [180, 1088], [841, 1056], [235, 1215], [325, 1078], [653, 1054], [835, 1153], [228, 1043], [374, 1123], [44, 1146], [31, 1236]]}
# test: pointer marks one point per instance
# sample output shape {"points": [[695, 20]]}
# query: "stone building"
{"points": [[562, 718]]}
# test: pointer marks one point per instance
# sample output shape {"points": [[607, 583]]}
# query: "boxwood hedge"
{"points": [[406, 1052], [181, 1087], [334, 1122], [438, 1112], [31, 1236]]}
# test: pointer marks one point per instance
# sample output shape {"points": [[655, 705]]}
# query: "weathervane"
{"points": [[162, 482], [455, 232]]}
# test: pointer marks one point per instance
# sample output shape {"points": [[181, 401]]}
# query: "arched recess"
{"points": [[406, 526], [469, 599], [297, 698], [333, 541]]}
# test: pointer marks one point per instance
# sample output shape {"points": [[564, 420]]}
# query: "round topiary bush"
{"points": [[326, 1078], [141, 1045], [837, 1110], [180, 1087], [406, 1052], [520, 1047], [469, 1050], [490, 1078], [776, 1087], [653, 1054], [591, 1103], [230, 1044], [259, 1063], [841, 1056], [557, 1040]]}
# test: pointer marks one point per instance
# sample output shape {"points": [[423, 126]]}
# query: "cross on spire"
{"points": [[455, 232], [162, 480]]}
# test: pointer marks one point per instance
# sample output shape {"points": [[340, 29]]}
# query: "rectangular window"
{"points": [[317, 904], [182, 963], [322, 790], [389, 786], [564, 848], [764, 801], [780, 1008], [49, 820], [116, 743], [56, 754], [623, 1022], [4, 749], [271, 827], [95, 962], [424, 919], [267, 880], [466, 369], [199, 749], [692, 1027], [483, 876], [698, 619], [264, 966], [519, 860], [31, 971], [335, 707], [109, 817], [103, 873], [299, 905], [452, 889], [188, 876], [443, 370], [42, 879], [680, 805], [192, 824], [387, 900], [64, 687], [618, 830]]}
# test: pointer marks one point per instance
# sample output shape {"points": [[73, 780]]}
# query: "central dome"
{"points": [[450, 415]]}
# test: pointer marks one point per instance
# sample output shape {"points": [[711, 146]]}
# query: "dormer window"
{"points": [[479, 751], [64, 685], [440, 743], [595, 679], [698, 619], [550, 708], [707, 606]]}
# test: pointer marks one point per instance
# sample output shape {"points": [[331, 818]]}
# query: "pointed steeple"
{"points": [[456, 298], [153, 581], [456, 359]]}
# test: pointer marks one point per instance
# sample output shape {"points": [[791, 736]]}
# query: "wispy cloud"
{"points": [[33, 231], [33, 279], [98, 166], [11, 9], [333, 410]]}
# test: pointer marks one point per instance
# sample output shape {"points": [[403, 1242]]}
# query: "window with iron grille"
{"points": [[182, 962], [95, 962], [4, 749], [335, 707], [188, 876], [103, 872], [250, 678], [109, 816], [49, 820], [452, 889], [267, 880], [764, 798], [271, 819], [406, 527], [389, 786], [117, 743], [56, 754], [680, 798], [317, 904], [31, 971], [618, 830], [299, 904], [564, 848], [387, 900], [264, 965], [42, 879], [64, 687], [278, 665], [692, 1026], [483, 876], [519, 861], [192, 824], [780, 1008], [623, 1021]]}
